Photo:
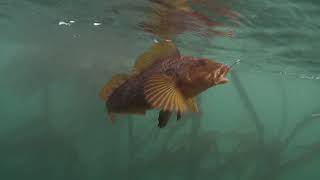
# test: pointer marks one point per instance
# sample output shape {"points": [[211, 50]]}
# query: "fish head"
{"points": [[202, 74]]}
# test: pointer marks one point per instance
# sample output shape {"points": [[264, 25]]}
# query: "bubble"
{"points": [[97, 24], [64, 23]]}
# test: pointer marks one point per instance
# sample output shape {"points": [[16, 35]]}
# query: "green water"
{"points": [[263, 124]]}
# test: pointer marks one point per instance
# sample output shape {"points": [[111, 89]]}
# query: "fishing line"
{"points": [[234, 64], [316, 115]]}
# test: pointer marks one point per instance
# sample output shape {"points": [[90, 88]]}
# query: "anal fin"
{"points": [[112, 117], [192, 104], [163, 118], [178, 116]]}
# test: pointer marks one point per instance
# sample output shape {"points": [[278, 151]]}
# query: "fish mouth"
{"points": [[219, 76], [223, 73]]}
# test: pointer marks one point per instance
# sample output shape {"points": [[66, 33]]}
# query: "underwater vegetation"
{"points": [[199, 154]]}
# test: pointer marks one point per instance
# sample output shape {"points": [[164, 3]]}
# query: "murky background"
{"points": [[56, 56]]}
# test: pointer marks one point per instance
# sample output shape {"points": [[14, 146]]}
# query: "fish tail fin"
{"points": [[116, 81]]}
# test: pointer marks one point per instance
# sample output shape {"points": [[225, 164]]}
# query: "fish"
{"points": [[162, 79]]}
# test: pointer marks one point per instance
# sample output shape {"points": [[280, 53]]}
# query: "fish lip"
{"points": [[223, 80]]}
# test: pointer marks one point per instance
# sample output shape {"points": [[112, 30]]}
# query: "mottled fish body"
{"points": [[162, 79]]}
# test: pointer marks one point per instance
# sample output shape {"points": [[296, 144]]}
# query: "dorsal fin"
{"points": [[175, 4], [159, 50], [116, 81]]}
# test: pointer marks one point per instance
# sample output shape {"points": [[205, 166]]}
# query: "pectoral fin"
{"points": [[161, 92]]}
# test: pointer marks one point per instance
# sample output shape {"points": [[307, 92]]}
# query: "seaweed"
{"points": [[250, 107]]}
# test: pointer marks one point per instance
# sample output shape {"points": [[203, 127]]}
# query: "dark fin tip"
{"points": [[163, 118], [178, 116], [161, 125]]}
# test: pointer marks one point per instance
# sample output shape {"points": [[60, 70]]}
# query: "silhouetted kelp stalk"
{"points": [[241, 162], [237, 160], [284, 109], [250, 107], [152, 135], [138, 143], [195, 161], [275, 164], [173, 159], [299, 127], [272, 166], [284, 166]]}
